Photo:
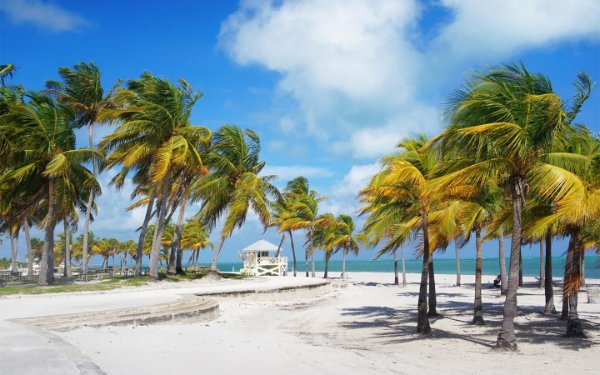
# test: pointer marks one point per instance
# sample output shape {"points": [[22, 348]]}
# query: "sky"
{"points": [[329, 85]]}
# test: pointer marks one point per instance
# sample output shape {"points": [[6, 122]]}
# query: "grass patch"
{"points": [[65, 286]]}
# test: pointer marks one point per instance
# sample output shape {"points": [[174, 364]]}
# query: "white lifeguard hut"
{"points": [[262, 259]]}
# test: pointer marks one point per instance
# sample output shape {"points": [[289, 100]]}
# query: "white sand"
{"points": [[366, 328]]}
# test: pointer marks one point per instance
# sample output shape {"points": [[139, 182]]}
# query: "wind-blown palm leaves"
{"points": [[156, 133], [343, 239], [234, 186], [399, 201], [501, 128], [81, 90], [45, 165]]}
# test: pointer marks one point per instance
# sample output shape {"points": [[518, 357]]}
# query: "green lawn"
{"points": [[107, 284]]}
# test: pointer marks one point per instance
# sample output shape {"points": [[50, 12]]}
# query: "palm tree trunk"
{"points": [[542, 275], [457, 255], [432, 312], [326, 265], [160, 226], [176, 247], [572, 283], [344, 253], [506, 337], [68, 270], [196, 260], [293, 250], [502, 260], [478, 304], [47, 263], [213, 266], [312, 250], [14, 250], [29, 249], [423, 326], [548, 285], [88, 207], [396, 279], [520, 268], [140, 248], [583, 267], [403, 266]]}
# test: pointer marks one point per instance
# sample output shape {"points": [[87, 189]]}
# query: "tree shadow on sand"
{"points": [[396, 326]]}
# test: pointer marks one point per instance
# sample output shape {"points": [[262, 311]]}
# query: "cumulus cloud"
{"points": [[502, 27], [359, 71], [42, 13]]}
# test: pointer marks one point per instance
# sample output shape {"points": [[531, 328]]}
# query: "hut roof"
{"points": [[261, 245]]}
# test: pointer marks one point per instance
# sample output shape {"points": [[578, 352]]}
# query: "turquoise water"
{"points": [[531, 266]]}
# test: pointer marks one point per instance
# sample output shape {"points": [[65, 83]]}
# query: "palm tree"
{"points": [[234, 186], [195, 238], [156, 133], [6, 71], [344, 239], [501, 125], [46, 158], [81, 90], [402, 196]]}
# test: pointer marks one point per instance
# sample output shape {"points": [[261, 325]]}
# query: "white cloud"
{"points": [[341, 199], [43, 14], [361, 76], [292, 171], [502, 27]]}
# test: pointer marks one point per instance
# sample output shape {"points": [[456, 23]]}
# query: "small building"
{"points": [[262, 258]]}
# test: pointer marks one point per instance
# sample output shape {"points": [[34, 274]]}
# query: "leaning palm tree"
{"points": [[234, 186], [501, 126], [156, 134], [42, 134], [81, 89], [195, 238]]}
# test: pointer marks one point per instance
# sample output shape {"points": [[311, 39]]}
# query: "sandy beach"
{"points": [[364, 327]]}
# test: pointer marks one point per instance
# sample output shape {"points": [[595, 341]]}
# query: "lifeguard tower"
{"points": [[262, 259]]}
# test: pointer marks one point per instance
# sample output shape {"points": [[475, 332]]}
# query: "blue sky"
{"points": [[330, 86]]}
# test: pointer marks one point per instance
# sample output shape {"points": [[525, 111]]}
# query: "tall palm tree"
{"points": [[81, 90], [195, 238], [402, 195], [234, 186], [344, 239], [156, 133], [501, 125], [42, 133]]}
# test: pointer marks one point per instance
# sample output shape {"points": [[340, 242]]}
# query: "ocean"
{"points": [[491, 267]]}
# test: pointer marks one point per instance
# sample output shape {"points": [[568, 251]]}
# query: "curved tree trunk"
{"points": [[293, 251], [403, 266], [457, 255], [572, 283], [29, 249], [396, 280], [542, 274], [506, 337], [176, 248], [478, 304], [213, 273], [68, 270], [160, 226], [502, 260], [88, 208], [140, 248], [423, 326], [432, 294], [47, 263], [548, 285]]}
